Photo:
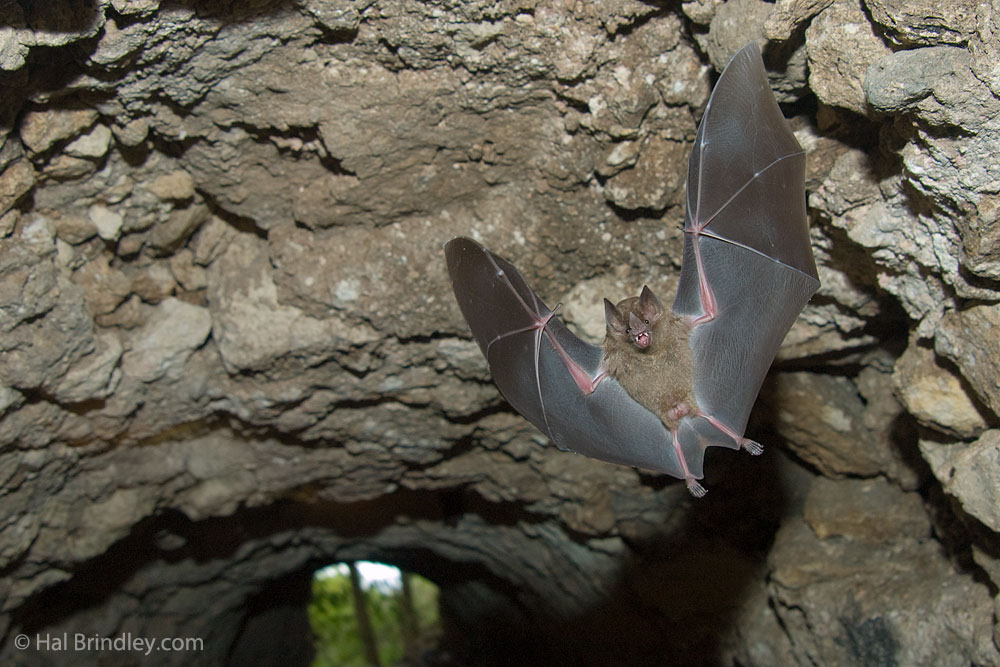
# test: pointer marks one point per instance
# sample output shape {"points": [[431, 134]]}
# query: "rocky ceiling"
{"points": [[229, 353]]}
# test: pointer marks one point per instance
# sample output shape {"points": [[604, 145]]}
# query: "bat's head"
{"points": [[634, 319], [639, 332]]}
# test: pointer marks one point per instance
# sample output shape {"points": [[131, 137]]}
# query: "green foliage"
{"points": [[335, 626]]}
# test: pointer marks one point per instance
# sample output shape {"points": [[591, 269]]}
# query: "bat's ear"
{"points": [[649, 305], [614, 318]]}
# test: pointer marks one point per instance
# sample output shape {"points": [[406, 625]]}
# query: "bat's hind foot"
{"points": [[751, 446], [696, 489]]}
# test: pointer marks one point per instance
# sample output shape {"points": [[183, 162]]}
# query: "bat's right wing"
{"points": [[546, 372]]}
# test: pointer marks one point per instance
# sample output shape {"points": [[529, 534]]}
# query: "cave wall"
{"points": [[229, 353]]}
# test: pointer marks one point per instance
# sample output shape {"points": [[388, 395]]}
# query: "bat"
{"points": [[667, 384]]}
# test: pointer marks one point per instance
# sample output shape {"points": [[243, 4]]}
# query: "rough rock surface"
{"points": [[229, 354]]}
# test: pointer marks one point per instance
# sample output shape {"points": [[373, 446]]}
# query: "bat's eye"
{"points": [[646, 321], [628, 329]]}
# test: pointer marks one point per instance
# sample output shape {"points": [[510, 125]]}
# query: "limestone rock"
{"points": [[925, 22], [981, 238], [850, 183], [642, 185], [967, 338], [733, 25], [92, 145], [105, 287], [253, 329], [841, 45], [45, 325], [984, 45], [188, 275], [37, 353], [175, 185], [55, 24], [351, 277], [95, 376], [838, 426], [28, 288], [211, 240], [116, 46], [172, 233], [333, 17], [132, 133], [13, 45], [9, 398], [15, 182], [75, 229], [970, 473], [937, 82], [701, 11], [938, 86], [153, 283], [68, 168], [41, 130], [849, 603], [871, 511], [934, 395], [62, 22], [129, 7], [108, 222], [788, 15], [164, 344]]}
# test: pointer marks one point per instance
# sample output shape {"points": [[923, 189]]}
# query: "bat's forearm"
{"points": [[582, 378], [705, 293]]}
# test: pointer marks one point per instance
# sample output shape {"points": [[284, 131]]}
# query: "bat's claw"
{"points": [[752, 446], [696, 489]]}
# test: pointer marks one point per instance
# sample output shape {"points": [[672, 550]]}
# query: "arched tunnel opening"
{"points": [[364, 613], [510, 587]]}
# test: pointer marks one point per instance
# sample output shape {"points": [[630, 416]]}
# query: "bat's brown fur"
{"points": [[660, 376]]}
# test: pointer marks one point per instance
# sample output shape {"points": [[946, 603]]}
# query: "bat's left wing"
{"points": [[546, 372], [748, 266]]}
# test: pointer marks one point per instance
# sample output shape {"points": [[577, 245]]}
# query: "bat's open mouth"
{"points": [[642, 340]]}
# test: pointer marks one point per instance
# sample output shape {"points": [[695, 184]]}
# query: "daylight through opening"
{"points": [[371, 614]]}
